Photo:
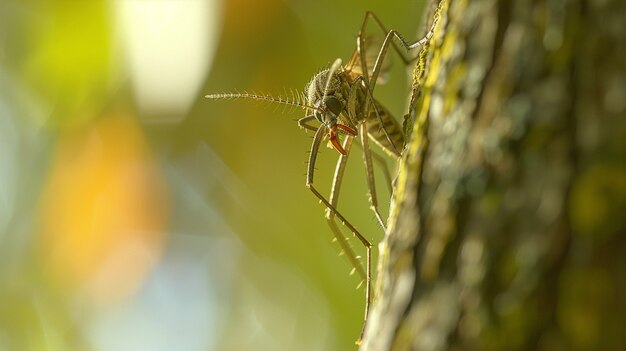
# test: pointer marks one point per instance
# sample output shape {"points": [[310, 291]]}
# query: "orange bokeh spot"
{"points": [[103, 210]]}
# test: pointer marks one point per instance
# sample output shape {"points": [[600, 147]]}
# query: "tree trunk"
{"points": [[508, 222]]}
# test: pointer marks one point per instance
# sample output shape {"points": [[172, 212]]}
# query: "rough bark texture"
{"points": [[508, 227]]}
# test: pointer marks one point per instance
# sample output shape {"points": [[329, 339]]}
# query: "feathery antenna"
{"points": [[296, 99]]}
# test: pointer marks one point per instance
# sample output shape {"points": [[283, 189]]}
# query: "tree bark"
{"points": [[508, 225]]}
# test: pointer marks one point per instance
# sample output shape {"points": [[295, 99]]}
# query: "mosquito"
{"points": [[339, 101]]}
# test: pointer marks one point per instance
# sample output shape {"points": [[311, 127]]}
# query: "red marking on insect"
{"points": [[332, 135]]}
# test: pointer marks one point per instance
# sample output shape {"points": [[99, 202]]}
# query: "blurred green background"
{"points": [[135, 214]]}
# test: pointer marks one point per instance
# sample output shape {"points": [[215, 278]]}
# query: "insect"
{"points": [[339, 102]]}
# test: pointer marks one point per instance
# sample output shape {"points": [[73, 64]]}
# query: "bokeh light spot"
{"points": [[103, 210]]}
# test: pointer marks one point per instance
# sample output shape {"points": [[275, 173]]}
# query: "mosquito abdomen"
{"points": [[392, 142]]}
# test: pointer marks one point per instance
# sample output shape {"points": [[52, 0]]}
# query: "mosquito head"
{"points": [[327, 114], [324, 95]]}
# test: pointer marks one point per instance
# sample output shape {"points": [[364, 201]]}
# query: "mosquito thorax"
{"points": [[321, 86], [328, 94]]}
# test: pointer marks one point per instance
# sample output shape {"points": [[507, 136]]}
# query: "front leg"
{"points": [[317, 139], [369, 171], [304, 123]]}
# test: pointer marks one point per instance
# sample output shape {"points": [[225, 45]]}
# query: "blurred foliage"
{"points": [[83, 180], [70, 54]]}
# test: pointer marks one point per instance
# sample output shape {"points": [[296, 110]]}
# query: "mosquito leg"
{"points": [[359, 53], [317, 139], [403, 55], [372, 15], [370, 83], [380, 119], [359, 56], [330, 215], [369, 170], [383, 165], [304, 123], [383, 51]]}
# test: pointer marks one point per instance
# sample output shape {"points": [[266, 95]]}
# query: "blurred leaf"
{"points": [[71, 59]]}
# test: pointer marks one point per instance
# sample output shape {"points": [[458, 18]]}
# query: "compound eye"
{"points": [[334, 105]]}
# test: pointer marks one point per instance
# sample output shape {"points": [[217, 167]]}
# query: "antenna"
{"points": [[272, 99]]}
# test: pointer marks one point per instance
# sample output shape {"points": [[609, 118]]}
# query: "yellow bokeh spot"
{"points": [[72, 56], [103, 210]]}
